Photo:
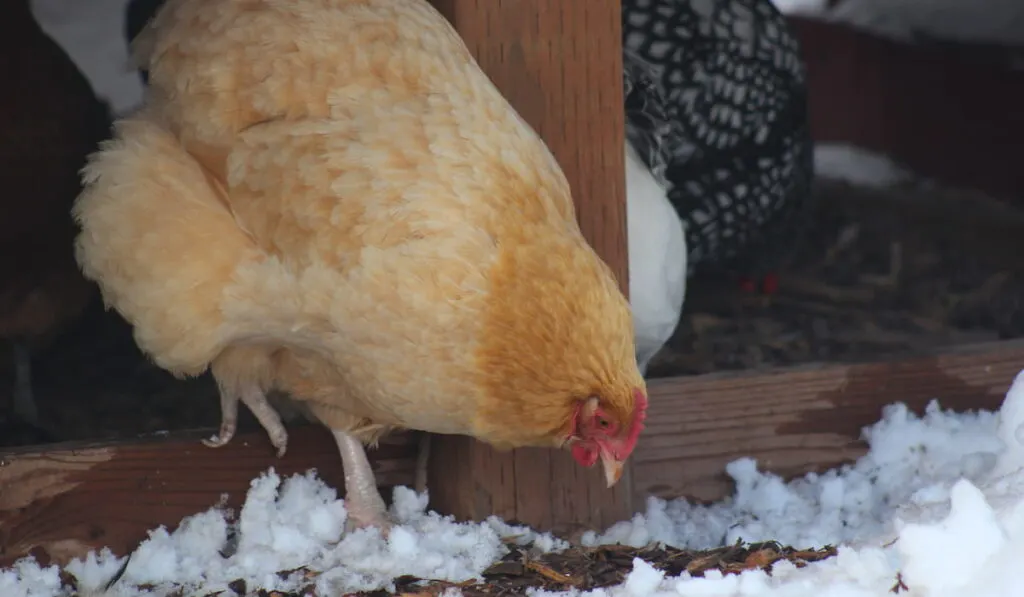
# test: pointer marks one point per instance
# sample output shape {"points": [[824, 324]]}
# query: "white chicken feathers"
{"points": [[657, 259]]}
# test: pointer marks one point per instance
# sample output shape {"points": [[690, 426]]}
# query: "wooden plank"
{"points": [[59, 501], [800, 420], [560, 65]]}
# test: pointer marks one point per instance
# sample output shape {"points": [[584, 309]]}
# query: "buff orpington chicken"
{"points": [[329, 198]]}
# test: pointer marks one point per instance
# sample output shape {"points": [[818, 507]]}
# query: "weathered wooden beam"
{"points": [[794, 421], [59, 501], [560, 65]]}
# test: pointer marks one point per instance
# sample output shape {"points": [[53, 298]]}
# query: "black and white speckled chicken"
{"points": [[726, 76], [657, 240]]}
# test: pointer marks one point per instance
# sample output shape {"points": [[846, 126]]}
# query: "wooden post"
{"points": [[560, 65]]}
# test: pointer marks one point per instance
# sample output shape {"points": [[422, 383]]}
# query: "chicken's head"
{"points": [[556, 356], [598, 432]]}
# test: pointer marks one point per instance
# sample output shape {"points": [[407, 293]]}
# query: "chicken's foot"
{"points": [[228, 419], [256, 400], [422, 463], [362, 499], [24, 402]]}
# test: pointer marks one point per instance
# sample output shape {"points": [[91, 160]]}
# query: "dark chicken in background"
{"points": [[728, 79], [50, 121]]}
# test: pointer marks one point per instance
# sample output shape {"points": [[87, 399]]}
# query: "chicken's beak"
{"points": [[612, 468]]}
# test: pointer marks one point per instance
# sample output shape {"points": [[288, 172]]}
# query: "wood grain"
{"points": [[799, 420], [560, 66], [60, 501]]}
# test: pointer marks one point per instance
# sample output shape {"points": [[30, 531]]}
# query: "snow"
{"points": [[286, 524], [802, 7], [937, 503], [858, 166], [910, 460]]}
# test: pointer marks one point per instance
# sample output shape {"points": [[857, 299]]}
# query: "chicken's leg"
{"points": [[422, 463], [228, 418], [24, 403], [362, 499], [257, 402]]}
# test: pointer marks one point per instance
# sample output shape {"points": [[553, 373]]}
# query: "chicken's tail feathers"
{"points": [[159, 243]]}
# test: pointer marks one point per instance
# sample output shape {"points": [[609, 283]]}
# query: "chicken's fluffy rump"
{"points": [[329, 198]]}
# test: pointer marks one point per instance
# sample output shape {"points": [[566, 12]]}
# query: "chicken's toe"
{"points": [[226, 433], [228, 419], [24, 401], [279, 440], [216, 441], [268, 417]]}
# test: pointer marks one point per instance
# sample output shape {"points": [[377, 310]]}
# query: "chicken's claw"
{"points": [[24, 402], [279, 441], [256, 400], [228, 420], [221, 438]]}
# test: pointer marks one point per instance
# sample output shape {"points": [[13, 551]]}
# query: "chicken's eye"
{"points": [[603, 423]]}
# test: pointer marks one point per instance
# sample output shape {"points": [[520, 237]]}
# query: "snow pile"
{"points": [[935, 509], [285, 525], [937, 505], [972, 552], [911, 461]]}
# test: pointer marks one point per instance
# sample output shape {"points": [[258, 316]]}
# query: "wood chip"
{"points": [[761, 558], [552, 574]]}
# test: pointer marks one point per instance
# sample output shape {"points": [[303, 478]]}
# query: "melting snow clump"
{"points": [[286, 524]]}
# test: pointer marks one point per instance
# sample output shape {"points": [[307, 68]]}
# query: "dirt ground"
{"points": [[883, 273]]}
